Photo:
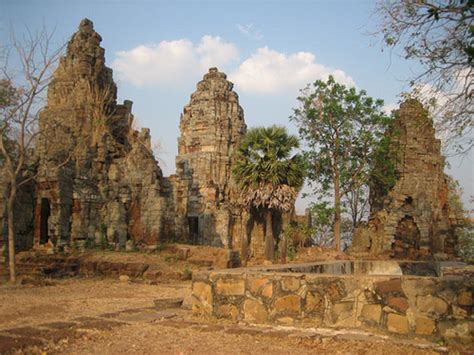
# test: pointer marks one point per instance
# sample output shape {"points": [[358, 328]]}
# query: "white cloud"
{"points": [[271, 72], [250, 30], [173, 62], [213, 51]]}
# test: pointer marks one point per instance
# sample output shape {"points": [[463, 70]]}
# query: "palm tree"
{"points": [[269, 174]]}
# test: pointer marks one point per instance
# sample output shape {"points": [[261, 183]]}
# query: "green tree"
{"points": [[439, 34], [342, 128], [269, 174]]}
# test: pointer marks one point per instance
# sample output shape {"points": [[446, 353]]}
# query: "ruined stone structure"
{"points": [[98, 181], [97, 176], [414, 219], [212, 126]]}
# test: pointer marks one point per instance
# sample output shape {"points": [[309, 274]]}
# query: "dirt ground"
{"points": [[106, 316]]}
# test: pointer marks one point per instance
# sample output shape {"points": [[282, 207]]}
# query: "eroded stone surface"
{"points": [[414, 219]]}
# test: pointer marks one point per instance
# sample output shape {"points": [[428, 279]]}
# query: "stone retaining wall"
{"points": [[422, 306]]}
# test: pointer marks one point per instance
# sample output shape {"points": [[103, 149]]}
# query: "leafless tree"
{"points": [[439, 35], [26, 72]]}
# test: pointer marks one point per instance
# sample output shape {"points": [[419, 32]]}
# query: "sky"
{"points": [[270, 50]]}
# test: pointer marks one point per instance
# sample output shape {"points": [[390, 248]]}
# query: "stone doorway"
{"points": [[407, 239], [193, 223], [44, 217]]}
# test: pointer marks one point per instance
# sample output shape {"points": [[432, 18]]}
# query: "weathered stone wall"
{"points": [[23, 215], [414, 219], [212, 126], [97, 178], [425, 306]]}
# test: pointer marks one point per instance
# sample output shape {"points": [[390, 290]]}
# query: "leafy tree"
{"points": [[269, 174], [439, 34], [342, 128]]}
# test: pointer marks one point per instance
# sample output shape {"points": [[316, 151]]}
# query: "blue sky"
{"points": [[269, 49]]}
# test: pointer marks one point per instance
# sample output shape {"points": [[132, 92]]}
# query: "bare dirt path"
{"points": [[92, 316]]}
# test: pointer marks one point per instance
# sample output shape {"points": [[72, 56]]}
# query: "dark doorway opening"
{"points": [[45, 213], [193, 223]]}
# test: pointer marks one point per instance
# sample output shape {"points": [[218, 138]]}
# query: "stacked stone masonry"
{"points": [[98, 181], [414, 219], [422, 306]]}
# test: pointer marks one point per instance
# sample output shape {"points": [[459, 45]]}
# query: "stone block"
{"points": [[228, 311], [288, 304], [424, 326], [314, 302], [256, 284], [285, 320], [371, 313], [290, 284], [400, 304], [342, 310], [431, 305], [268, 291], [254, 311], [397, 324], [389, 287], [232, 287], [465, 298], [203, 298]]}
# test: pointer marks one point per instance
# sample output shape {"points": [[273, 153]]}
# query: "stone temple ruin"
{"points": [[99, 181], [414, 219]]}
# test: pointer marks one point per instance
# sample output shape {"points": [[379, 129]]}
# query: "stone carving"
{"points": [[97, 177], [212, 126], [414, 219]]}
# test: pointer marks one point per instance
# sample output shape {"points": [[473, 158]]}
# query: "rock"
{"points": [[397, 324], [124, 278], [342, 310], [400, 304], [203, 298], [424, 326], [393, 286], [255, 311], [288, 304], [129, 245], [165, 303], [290, 284], [268, 291], [228, 311], [432, 305], [230, 287], [371, 313], [465, 298], [256, 285], [314, 302]]}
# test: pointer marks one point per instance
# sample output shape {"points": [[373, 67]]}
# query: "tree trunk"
{"points": [[337, 211], [269, 242], [11, 234], [244, 239], [284, 242]]}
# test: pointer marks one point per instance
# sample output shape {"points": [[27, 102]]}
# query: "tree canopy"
{"points": [[342, 128], [269, 173], [438, 34]]}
